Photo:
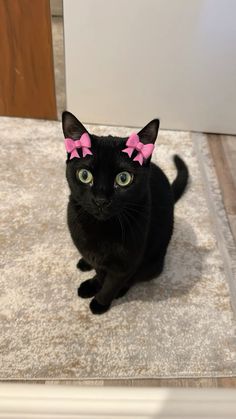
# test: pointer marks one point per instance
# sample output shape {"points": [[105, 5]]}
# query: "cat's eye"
{"points": [[84, 176], [124, 179]]}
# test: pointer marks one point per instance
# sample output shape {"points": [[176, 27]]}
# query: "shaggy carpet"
{"points": [[178, 325]]}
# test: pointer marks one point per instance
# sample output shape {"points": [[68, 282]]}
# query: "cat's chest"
{"points": [[102, 252], [107, 243], [95, 245]]}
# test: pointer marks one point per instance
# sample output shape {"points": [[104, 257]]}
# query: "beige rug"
{"points": [[179, 325]]}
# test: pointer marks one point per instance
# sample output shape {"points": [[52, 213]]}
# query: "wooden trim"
{"points": [[56, 8], [225, 178], [197, 382], [26, 67], [37, 401]]}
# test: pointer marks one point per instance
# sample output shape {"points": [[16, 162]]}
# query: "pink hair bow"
{"points": [[84, 143], [144, 150]]}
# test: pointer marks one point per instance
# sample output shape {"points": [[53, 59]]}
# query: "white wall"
{"points": [[128, 61]]}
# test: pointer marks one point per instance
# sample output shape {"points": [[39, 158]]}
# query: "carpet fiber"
{"points": [[179, 325]]}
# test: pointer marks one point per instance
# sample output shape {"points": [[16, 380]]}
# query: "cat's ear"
{"points": [[72, 127], [149, 133]]}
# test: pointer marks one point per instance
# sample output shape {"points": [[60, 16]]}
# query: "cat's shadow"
{"points": [[182, 270]]}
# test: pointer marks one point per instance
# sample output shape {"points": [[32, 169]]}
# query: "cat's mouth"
{"points": [[102, 215]]}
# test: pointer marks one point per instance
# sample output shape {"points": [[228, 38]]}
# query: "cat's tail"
{"points": [[181, 179]]}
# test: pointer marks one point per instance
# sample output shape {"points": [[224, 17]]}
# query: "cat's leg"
{"points": [[109, 290], [122, 292], [152, 270], [91, 286], [116, 286], [149, 269], [83, 265], [146, 273]]}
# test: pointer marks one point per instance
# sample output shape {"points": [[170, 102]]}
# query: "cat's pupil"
{"points": [[123, 177], [85, 175]]}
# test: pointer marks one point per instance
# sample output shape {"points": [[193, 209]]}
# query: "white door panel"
{"points": [[128, 61]]}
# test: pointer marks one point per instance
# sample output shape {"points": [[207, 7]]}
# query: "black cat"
{"points": [[120, 210]]}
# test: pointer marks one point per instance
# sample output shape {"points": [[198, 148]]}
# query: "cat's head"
{"points": [[107, 180]]}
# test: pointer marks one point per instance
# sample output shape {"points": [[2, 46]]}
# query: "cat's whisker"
{"points": [[131, 219], [144, 206], [122, 228], [136, 204], [135, 210], [128, 224]]}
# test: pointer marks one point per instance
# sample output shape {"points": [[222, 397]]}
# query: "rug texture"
{"points": [[178, 325]]}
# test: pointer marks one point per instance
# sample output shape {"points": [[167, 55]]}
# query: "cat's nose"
{"points": [[101, 202]]}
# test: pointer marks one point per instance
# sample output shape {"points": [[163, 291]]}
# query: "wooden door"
{"points": [[27, 87]]}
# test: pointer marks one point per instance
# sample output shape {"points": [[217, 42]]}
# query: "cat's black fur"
{"points": [[125, 238]]}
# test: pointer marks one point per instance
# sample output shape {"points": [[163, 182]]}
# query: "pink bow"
{"points": [[144, 150], [84, 143]]}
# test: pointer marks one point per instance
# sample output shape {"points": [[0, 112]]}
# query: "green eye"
{"points": [[85, 176], [124, 178]]}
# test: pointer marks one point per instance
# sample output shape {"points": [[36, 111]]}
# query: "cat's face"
{"points": [[107, 182]]}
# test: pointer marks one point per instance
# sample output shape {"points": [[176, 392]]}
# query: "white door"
{"points": [[128, 61]]}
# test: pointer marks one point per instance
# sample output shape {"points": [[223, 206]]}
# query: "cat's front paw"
{"points": [[88, 288], [83, 265], [98, 308]]}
